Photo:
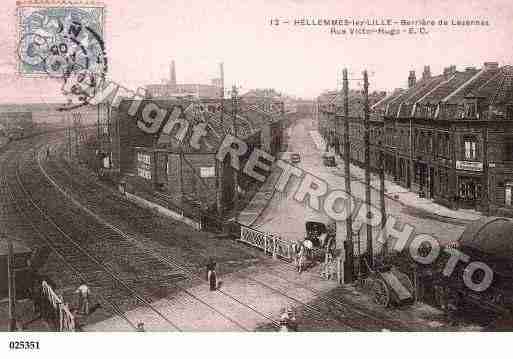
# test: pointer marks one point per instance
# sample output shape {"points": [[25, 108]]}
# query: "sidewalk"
{"points": [[400, 194]]}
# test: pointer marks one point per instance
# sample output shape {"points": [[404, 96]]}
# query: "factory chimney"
{"points": [[412, 79], [221, 76], [172, 74]]}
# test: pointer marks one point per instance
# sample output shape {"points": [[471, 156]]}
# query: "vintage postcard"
{"points": [[268, 166]]}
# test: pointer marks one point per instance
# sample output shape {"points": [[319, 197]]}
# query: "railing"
{"points": [[269, 243], [66, 322]]}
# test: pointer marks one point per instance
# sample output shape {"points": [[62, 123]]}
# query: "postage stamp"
{"points": [[56, 39]]}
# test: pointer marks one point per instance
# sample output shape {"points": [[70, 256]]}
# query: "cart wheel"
{"points": [[381, 293]]}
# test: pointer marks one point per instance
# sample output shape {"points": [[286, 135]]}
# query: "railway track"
{"points": [[74, 249], [328, 308], [123, 289], [112, 288]]}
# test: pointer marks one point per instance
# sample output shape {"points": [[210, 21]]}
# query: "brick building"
{"points": [[267, 100], [168, 163], [447, 137]]}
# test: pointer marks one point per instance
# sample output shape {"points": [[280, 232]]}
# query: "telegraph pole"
{"points": [[382, 192], [10, 284], [347, 158], [486, 175], [235, 172], [370, 250], [220, 168]]}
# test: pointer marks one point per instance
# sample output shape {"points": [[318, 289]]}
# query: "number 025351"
{"points": [[23, 345]]}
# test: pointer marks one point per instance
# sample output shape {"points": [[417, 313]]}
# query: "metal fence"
{"points": [[269, 243], [65, 320]]}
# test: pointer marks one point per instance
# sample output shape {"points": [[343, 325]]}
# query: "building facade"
{"points": [[168, 163], [447, 137]]}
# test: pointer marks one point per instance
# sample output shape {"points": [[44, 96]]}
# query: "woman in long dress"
{"points": [[211, 274]]}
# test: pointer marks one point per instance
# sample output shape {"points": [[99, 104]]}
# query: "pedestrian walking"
{"points": [[211, 274], [140, 327], [296, 247], [301, 258], [83, 293]]}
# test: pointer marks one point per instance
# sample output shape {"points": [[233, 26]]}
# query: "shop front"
{"points": [[469, 184], [469, 191]]}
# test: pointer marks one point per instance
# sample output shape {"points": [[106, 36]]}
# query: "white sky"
{"points": [[143, 36]]}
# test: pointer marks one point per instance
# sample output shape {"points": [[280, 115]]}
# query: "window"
{"points": [[470, 147], [507, 194], [144, 173], [144, 165], [470, 110]]}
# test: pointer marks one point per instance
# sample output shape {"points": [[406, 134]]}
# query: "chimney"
{"points": [[448, 71], [221, 75], [172, 70], [491, 65], [427, 73], [412, 79]]}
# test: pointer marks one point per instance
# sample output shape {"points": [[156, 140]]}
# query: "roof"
{"points": [[267, 93], [381, 105], [248, 122], [355, 101], [450, 90], [491, 236], [419, 93], [453, 82], [499, 88]]}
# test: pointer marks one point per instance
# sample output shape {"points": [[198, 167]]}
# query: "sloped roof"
{"points": [[499, 88], [422, 90], [493, 84], [381, 105], [473, 86], [453, 82]]}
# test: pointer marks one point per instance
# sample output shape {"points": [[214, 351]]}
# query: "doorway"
{"points": [[469, 191]]}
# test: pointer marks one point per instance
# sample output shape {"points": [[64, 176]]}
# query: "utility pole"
{"points": [[370, 250], [234, 123], [382, 192], [11, 288], [220, 166], [486, 175], [347, 170], [76, 127], [68, 132], [347, 157]]}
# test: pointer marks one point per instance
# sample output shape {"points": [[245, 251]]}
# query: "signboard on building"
{"points": [[469, 166], [207, 172]]}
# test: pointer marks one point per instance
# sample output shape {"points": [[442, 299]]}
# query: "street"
{"points": [[286, 216]]}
